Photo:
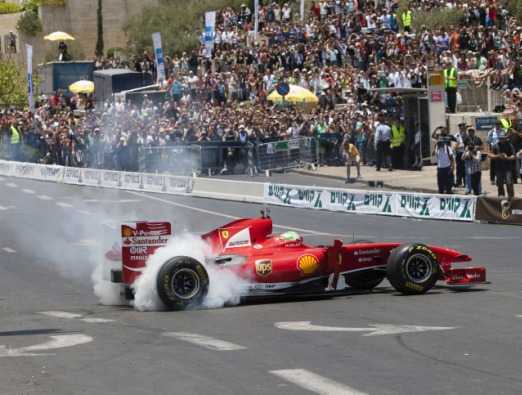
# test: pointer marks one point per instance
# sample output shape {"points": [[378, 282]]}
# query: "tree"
{"points": [[180, 23], [99, 25], [13, 84]]}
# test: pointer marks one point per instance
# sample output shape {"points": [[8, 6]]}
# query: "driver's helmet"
{"points": [[290, 236]]}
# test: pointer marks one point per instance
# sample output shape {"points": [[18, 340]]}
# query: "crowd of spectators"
{"points": [[340, 51]]}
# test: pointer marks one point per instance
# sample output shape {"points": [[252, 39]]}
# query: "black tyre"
{"points": [[364, 279], [413, 269], [182, 282]]}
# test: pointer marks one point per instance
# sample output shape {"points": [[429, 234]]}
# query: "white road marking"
{"points": [[75, 316], [61, 314], [84, 212], [11, 185], [315, 383], [44, 197], [64, 205], [205, 341], [28, 191], [56, 342], [9, 250], [519, 315], [2, 208], [218, 214], [374, 329], [120, 201]]}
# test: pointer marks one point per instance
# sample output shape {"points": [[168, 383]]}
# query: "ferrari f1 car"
{"points": [[275, 265]]}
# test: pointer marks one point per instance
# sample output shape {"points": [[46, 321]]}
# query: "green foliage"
{"points": [[9, 8], [179, 21], [515, 9], [29, 23], [436, 19], [13, 84], [99, 27], [53, 3]]}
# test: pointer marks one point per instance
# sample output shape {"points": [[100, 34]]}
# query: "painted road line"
{"points": [[315, 383], [61, 314], [374, 330], [28, 191], [205, 341], [11, 185], [519, 315], [9, 250], [84, 212], [120, 201], [75, 316], [64, 205], [218, 214], [44, 197], [3, 208], [56, 342]]}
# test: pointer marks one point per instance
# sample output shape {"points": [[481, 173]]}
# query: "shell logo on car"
{"points": [[308, 264]]}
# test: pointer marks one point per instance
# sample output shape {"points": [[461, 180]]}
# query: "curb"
{"points": [[366, 184]]}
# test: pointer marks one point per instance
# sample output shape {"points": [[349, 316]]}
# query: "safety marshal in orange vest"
{"points": [[398, 137], [450, 85]]}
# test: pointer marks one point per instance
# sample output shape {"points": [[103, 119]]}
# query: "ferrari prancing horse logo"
{"points": [[225, 234], [264, 267]]}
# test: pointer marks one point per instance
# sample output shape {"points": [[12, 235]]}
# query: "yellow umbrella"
{"points": [[297, 94], [82, 86], [59, 36]]}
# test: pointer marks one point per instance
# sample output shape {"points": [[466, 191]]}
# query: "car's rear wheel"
{"points": [[182, 282], [413, 269]]}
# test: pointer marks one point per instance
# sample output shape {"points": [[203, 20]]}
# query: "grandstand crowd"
{"points": [[341, 51]]}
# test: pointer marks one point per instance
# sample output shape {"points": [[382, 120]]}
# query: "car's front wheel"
{"points": [[413, 269], [182, 282]]}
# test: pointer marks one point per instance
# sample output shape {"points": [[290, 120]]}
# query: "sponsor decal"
{"points": [[371, 251], [240, 239], [258, 246], [308, 264], [364, 260], [263, 267], [225, 234]]}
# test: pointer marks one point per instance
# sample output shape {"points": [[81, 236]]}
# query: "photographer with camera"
{"points": [[445, 160], [472, 158], [504, 156]]}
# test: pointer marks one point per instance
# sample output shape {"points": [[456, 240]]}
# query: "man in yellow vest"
{"points": [[15, 141], [450, 85], [406, 18], [398, 137]]}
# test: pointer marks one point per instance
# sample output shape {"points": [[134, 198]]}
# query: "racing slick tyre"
{"points": [[412, 269], [182, 282]]}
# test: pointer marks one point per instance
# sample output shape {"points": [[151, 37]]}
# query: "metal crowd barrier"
{"points": [[286, 154]]}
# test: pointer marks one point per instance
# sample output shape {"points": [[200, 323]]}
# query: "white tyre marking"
{"points": [[44, 197], [28, 191], [375, 329], [64, 205], [315, 383], [205, 341], [9, 250], [11, 185], [56, 342], [61, 314]]}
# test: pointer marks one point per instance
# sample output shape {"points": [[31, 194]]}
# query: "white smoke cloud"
{"points": [[225, 287]]}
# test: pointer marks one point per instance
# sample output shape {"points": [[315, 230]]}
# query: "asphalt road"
{"points": [[52, 235]]}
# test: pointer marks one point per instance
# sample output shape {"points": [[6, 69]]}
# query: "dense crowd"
{"points": [[340, 51]]}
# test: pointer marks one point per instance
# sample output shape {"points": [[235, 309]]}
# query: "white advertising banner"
{"points": [[72, 175], [112, 179], [30, 90], [419, 205], [158, 56], [133, 181], [427, 206], [26, 170], [6, 167], [50, 173], [154, 183], [91, 177], [175, 184], [210, 25]]}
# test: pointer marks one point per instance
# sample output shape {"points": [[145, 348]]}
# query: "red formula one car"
{"points": [[284, 265]]}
